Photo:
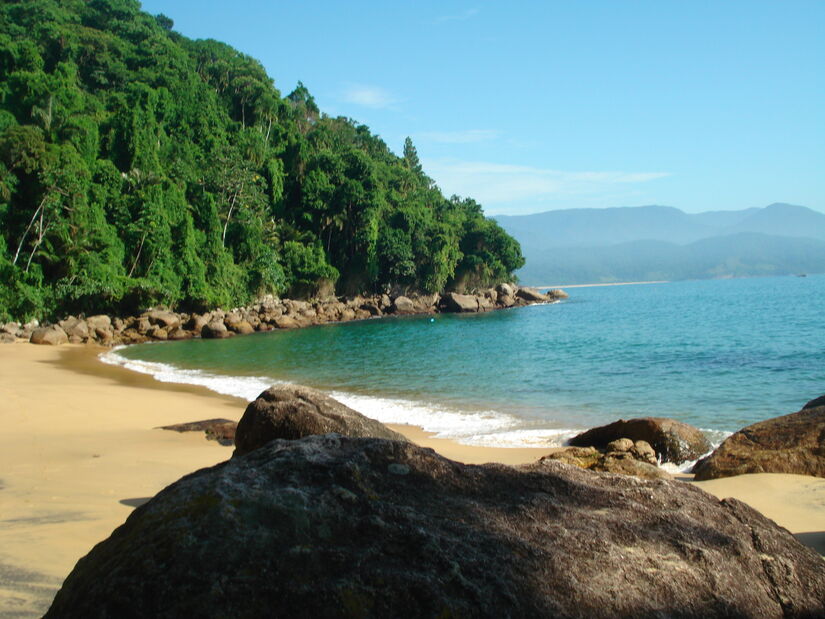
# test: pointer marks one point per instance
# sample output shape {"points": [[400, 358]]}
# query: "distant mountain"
{"points": [[607, 226], [723, 219], [663, 243], [783, 220]]}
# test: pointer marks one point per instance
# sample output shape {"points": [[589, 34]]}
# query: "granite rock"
{"points": [[792, 443], [330, 526], [672, 440], [293, 411], [52, 335]]}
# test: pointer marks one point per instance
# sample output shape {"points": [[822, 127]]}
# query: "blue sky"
{"points": [[533, 106]]}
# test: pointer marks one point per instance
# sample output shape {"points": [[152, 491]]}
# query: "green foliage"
{"points": [[138, 167]]}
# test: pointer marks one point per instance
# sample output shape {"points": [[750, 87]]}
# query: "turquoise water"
{"points": [[718, 354]]}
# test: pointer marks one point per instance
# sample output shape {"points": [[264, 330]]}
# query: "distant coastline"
{"points": [[663, 281]]}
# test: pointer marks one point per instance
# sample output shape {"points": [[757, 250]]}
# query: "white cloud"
{"points": [[463, 16], [496, 183], [368, 96], [460, 137]]}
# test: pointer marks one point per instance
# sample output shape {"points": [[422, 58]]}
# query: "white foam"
{"points": [[714, 436], [487, 428], [483, 428], [246, 387]]}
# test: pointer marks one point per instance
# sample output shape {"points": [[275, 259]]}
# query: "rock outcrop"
{"points": [[403, 305], [621, 456], [292, 412], [52, 335], [454, 302], [329, 526], [267, 314], [531, 294], [820, 401], [792, 443], [672, 440], [221, 430]]}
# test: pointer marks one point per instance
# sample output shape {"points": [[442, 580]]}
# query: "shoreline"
{"points": [[601, 285], [81, 449]]}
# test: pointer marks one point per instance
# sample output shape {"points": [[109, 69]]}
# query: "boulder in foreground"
{"points": [[292, 412], [792, 443], [337, 527], [673, 441]]}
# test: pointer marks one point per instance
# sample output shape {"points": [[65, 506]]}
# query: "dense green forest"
{"points": [[139, 167]]}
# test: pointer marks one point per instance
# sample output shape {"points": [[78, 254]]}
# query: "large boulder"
{"points": [[241, 327], [506, 290], [454, 302], [197, 322], [99, 321], [164, 318], [293, 411], [403, 305], [215, 330], [75, 327], [531, 295], [792, 443], [12, 328], [672, 440], [330, 526], [287, 322], [52, 335]]}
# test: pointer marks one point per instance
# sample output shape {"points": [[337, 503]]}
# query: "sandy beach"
{"points": [[80, 448]]}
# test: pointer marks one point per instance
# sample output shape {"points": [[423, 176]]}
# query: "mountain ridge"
{"points": [[583, 227], [663, 243]]}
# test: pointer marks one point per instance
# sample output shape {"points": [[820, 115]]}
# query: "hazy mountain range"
{"points": [[647, 243]]}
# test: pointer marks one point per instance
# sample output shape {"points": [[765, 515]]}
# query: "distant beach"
{"points": [[664, 281]]}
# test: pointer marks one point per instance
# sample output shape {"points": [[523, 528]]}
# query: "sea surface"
{"points": [[718, 354]]}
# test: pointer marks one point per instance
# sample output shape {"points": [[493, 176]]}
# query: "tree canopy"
{"points": [[139, 167]]}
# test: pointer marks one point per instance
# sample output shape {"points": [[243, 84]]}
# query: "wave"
{"points": [[488, 428]]}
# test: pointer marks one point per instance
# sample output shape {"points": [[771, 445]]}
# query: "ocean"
{"points": [[718, 354]]}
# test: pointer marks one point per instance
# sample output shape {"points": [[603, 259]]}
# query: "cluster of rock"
{"points": [[673, 441], [622, 456], [300, 523], [267, 314], [792, 443], [332, 526]]}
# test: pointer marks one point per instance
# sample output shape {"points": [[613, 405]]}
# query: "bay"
{"points": [[718, 354]]}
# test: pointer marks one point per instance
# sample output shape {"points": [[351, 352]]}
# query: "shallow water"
{"points": [[719, 354]]}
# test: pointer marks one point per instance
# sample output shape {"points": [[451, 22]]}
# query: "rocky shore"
{"points": [[269, 313]]}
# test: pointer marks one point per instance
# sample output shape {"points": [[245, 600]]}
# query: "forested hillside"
{"points": [[138, 167]]}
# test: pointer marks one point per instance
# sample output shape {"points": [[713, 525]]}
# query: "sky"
{"points": [[543, 105]]}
